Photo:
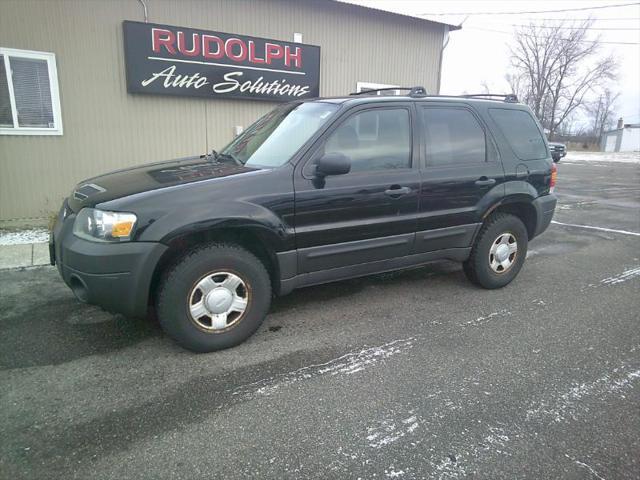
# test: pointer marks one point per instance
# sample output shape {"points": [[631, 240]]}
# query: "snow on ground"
{"points": [[18, 237], [624, 157]]}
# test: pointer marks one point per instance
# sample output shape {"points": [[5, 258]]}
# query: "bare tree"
{"points": [[556, 69], [600, 112]]}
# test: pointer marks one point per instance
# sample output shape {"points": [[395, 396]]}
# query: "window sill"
{"points": [[31, 131]]}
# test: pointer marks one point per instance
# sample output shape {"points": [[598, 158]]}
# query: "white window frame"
{"points": [[361, 86], [53, 84]]}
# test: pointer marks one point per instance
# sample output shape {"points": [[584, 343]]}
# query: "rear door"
{"points": [[368, 214], [461, 176]]}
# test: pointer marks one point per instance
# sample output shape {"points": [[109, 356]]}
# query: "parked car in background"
{"points": [[313, 192], [558, 151]]}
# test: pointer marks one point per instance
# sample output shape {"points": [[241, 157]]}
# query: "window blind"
{"points": [[32, 92]]}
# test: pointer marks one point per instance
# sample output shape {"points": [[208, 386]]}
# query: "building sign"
{"points": [[162, 59]]}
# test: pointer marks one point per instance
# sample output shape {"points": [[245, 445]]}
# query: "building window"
{"points": [[29, 99], [365, 86]]}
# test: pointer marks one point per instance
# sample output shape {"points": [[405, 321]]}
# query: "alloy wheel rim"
{"points": [[218, 301], [503, 252]]}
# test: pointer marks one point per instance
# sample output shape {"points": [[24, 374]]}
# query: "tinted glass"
{"points": [[521, 131], [376, 139], [453, 136], [6, 119], [276, 137], [32, 92]]}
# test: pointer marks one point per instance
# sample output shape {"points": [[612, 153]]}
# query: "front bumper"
{"points": [[545, 207], [114, 276]]}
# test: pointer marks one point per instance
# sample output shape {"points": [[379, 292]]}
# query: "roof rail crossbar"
{"points": [[413, 91], [507, 97]]}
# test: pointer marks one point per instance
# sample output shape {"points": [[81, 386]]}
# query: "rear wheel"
{"points": [[214, 297], [498, 252]]}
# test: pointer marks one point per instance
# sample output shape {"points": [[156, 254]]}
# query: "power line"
{"points": [[567, 39], [563, 27], [537, 11], [595, 19]]}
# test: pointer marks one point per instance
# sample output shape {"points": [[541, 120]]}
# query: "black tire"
{"points": [[175, 290], [556, 160], [478, 269]]}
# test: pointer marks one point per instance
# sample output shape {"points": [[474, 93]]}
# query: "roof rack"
{"points": [[413, 91], [507, 97]]}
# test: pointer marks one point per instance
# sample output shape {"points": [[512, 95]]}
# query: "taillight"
{"points": [[554, 177]]}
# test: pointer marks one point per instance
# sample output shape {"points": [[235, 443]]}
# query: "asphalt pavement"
{"points": [[408, 375]]}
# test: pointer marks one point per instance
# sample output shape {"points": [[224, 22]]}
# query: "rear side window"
{"points": [[453, 137], [521, 131]]}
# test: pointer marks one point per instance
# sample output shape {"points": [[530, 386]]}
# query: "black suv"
{"points": [[314, 191]]}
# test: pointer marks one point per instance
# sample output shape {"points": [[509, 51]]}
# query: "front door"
{"points": [[460, 176], [368, 214]]}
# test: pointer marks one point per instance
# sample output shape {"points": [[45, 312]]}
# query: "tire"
{"points": [[183, 290], [498, 227], [556, 160]]}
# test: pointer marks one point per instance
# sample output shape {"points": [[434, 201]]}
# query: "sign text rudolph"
{"points": [[170, 60]]}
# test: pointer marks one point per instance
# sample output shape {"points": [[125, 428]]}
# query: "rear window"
{"points": [[522, 133]]}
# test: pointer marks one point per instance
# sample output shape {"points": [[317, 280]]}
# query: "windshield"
{"points": [[276, 137]]}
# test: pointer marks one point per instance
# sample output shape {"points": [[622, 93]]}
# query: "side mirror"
{"points": [[332, 164]]}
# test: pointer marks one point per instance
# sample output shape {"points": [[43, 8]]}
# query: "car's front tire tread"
{"points": [[176, 283]]}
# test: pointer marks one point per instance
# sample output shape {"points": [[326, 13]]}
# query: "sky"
{"points": [[479, 53]]}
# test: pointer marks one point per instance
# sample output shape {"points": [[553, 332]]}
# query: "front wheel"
{"points": [[214, 297], [498, 253]]}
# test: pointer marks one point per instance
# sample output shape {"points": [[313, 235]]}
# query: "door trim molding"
{"points": [[364, 269]]}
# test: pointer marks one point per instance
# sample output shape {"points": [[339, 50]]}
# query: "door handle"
{"points": [[484, 181], [397, 191]]}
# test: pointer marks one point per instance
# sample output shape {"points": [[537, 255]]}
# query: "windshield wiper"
{"points": [[221, 157], [227, 157]]}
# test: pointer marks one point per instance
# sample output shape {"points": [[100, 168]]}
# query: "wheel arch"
{"points": [[521, 206], [254, 238]]}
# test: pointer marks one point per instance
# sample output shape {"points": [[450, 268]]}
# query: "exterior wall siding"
{"points": [[105, 128]]}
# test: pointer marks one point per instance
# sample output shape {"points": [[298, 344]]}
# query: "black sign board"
{"points": [[167, 60]]}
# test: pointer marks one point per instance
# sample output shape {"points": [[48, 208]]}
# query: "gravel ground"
{"points": [[407, 375]]}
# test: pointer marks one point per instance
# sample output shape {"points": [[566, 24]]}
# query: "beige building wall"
{"points": [[106, 128]]}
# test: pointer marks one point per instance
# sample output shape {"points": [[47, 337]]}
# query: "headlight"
{"points": [[93, 224]]}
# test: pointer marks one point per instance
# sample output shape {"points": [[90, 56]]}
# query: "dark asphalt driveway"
{"points": [[407, 375]]}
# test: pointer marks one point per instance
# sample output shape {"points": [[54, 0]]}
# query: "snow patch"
{"points": [[347, 364], [584, 465], [21, 237], [623, 277], [390, 430], [622, 157], [567, 403], [485, 319], [392, 473]]}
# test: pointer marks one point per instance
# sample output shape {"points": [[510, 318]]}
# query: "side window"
{"points": [[521, 131], [376, 139], [453, 136]]}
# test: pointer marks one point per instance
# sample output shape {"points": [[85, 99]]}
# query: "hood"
{"points": [[122, 183]]}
